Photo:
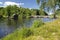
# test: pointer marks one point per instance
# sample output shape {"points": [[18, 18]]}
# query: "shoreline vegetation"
{"points": [[11, 11], [38, 31]]}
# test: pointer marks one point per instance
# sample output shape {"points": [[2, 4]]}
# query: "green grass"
{"points": [[37, 23], [48, 31]]}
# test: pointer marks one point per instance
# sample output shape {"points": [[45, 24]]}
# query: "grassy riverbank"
{"points": [[47, 31]]}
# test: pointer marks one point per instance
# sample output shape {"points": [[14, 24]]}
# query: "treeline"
{"points": [[10, 11]]}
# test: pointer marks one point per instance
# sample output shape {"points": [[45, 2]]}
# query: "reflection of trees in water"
{"points": [[9, 22], [24, 22], [2, 20], [18, 23], [12, 23]]}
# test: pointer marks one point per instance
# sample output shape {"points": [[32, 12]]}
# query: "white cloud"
{"points": [[1, 2], [12, 3], [21, 3]]}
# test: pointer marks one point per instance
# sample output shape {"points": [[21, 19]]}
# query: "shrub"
{"points": [[25, 32], [37, 23]]}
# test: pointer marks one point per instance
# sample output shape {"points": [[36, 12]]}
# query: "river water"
{"points": [[8, 26]]}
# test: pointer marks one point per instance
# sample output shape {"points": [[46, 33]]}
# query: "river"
{"points": [[8, 26]]}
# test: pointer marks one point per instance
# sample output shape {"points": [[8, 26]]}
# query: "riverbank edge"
{"points": [[50, 26]]}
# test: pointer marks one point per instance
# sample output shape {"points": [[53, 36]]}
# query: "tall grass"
{"points": [[19, 34]]}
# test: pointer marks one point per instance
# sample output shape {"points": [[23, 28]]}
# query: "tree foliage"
{"points": [[50, 4], [9, 11]]}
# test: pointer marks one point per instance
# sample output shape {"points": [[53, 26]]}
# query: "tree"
{"points": [[49, 3], [42, 4], [8, 9]]}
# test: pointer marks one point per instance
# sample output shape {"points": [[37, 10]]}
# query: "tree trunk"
{"points": [[54, 14]]}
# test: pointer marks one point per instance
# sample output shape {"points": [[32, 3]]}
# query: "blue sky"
{"points": [[23, 3], [30, 3]]}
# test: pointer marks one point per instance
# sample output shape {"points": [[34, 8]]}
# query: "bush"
{"points": [[37, 23], [25, 32]]}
